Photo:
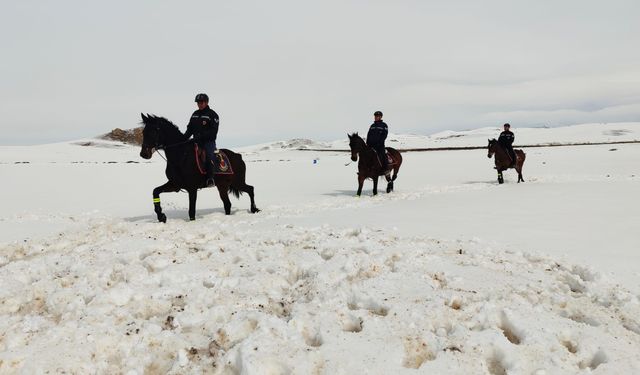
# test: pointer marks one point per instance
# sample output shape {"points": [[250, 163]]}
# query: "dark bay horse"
{"points": [[182, 169], [502, 159], [369, 165]]}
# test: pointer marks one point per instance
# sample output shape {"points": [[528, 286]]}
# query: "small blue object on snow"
{"points": [[315, 161]]}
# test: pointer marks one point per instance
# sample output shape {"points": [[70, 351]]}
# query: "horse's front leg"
{"points": [[193, 196], [519, 170], [361, 179], [156, 199], [500, 177], [375, 185]]}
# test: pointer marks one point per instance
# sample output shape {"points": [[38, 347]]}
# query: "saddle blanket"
{"points": [[221, 166]]}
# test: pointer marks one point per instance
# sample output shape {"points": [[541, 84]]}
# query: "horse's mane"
{"points": [[160, 121]]}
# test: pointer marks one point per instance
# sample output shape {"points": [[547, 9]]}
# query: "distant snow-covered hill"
{"points": [[101, 150], [584, 133]]}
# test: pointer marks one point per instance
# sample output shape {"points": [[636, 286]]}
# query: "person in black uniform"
{"points": [[506, 139], [375, 139], [203, 125]]}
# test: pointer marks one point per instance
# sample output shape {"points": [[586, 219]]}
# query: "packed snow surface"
{"points": [[449, 274]]}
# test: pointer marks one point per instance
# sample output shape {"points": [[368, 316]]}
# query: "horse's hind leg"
{"points": [[519, 170], [390, 181], [156, 199], [249, 190], [375, 185], [519, 165], [389, 184]]}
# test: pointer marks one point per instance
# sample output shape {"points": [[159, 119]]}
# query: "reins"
{"points": [[160, 147]]}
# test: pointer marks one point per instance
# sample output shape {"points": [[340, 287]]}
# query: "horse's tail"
{"points": [[235, 191], [398, 161], [239, 168]]}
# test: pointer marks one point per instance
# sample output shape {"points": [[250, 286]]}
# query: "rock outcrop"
{"points": [[130, 136]]}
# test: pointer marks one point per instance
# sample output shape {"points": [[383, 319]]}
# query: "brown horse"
{"points": [[369, 165], [503, 160], [183, 171]]}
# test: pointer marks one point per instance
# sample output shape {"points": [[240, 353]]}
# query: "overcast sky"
{"points": [[315, 69]]}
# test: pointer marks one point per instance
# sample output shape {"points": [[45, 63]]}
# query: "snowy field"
{"points": [[450, 274]]}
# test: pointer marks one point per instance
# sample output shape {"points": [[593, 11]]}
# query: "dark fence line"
{"points": [[423, 149]]}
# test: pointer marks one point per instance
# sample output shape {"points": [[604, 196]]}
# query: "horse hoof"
{"points": [[192, 219], [255, 210], [162, 218]]}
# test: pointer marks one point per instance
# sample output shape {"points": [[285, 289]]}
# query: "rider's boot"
{"points": [[385, 167], [210, 181], [513, 159]]}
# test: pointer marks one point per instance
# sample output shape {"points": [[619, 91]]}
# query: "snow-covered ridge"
{"points": [[122, 152], [585, 133]]}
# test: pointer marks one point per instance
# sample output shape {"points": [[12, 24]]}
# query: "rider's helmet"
{"points": [[202, 98], [507, 125], [377, 113]]}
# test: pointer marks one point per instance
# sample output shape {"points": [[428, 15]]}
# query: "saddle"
{"points": [[390, 160], [220, 166], [512, 161]]}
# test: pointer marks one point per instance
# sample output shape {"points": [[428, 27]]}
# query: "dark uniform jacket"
{"points": [[377, 134], [203, 125], [506, 138]]}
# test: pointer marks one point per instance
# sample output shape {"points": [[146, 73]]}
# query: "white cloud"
{"points": [[288, 69]]}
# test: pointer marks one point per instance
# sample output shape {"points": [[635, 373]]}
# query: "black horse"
{"points": [[183, 170], [502, 159], [369, 165]]}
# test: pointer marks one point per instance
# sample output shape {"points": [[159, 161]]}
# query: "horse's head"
{"points": [[355, 144], [491, 148], [158, 133], [150, 136]]}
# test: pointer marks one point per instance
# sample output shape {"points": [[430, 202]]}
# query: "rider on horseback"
{"points": [[506, 140], [375, 139], [203, 125]]}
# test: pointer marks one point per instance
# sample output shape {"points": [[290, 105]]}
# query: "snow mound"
{"points": [[222, 297]]}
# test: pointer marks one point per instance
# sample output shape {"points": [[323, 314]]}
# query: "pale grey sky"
{"points": [[315, 69]]}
